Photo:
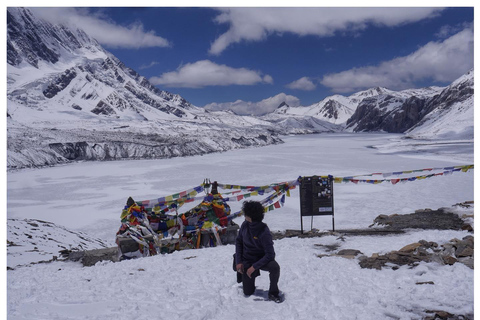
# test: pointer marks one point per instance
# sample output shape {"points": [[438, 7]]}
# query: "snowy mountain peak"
{"points": [[370, 93], [466, 79], [52, 68], [31, 40], [283, 104], [282, 108]]}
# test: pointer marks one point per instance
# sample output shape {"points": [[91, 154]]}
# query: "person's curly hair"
{"points": [[254, 210]]}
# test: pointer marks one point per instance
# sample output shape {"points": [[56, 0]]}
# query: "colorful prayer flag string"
{"points": [[447, 171], [164, 205], [464, 167]]}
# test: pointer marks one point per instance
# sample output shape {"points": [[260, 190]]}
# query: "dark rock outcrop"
{"points": [[60, 83], [441, 219]]}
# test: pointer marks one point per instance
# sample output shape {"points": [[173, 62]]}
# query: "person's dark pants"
{"points": [[249, 283]]}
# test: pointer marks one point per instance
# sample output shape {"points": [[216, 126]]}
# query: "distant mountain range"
{"points": [[69, 99], [433, 112]]}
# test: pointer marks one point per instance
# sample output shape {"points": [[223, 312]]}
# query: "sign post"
{"points": [[316, 198]]}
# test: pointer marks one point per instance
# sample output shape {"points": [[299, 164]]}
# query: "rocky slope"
{"points": [[451, 112], [419, 114]]}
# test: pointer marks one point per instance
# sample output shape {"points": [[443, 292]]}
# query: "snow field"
{"points": [[200, 284]]}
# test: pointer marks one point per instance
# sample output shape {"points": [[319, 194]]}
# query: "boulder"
{"points": [[410, 247]]}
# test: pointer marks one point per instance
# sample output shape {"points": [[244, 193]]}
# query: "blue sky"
{"points": [[259, 57]]}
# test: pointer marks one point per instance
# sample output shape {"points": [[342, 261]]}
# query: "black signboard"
{"points": [[316, 197]]}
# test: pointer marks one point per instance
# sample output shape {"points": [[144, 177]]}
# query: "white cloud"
{"points": [[448, 30], [256, 24], [255, 108], [147, 66], [439, 61], [207, 73], [105, 31], [268, 79], [303, 83]]}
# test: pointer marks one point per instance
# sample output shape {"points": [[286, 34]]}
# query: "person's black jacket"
{"points": [[254, 245]]}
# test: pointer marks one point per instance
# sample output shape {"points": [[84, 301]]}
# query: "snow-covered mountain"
{"points": [[452, 112], [57, 69], [432, 111], [339, 109], [69, 99], [335, 109]]}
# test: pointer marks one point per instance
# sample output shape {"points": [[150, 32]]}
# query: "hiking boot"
{"points": [[274, 297]]}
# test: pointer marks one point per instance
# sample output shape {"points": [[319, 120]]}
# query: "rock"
{"points": [[393, 256], [468, 261], [373, 263], [441, 314], [449, 260], [441, 219], [444, 315], [410, 247], [464, 247], [381, 217], [448, 249], [349, 252], [464, 251], [469, 240], [91, 257], [428, 244], [75, 255]]}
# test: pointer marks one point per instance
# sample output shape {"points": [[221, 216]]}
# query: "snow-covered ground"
{"points": [[200, 284]]}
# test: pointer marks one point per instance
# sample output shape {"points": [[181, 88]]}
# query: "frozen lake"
{"points": [[89, 196]]}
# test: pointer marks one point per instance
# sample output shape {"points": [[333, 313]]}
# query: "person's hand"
{"points": [[240, 267], [250, 271]]}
